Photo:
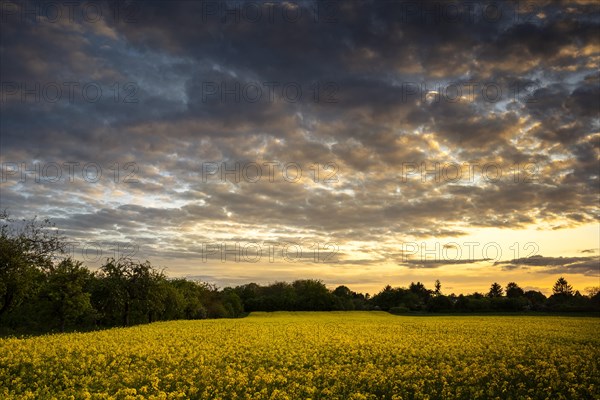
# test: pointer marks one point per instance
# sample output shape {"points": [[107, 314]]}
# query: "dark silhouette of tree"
{"points": [[39, 292], [495, 290], [595, 300], [438, 287], [418, 289], [513, 290], [280, 296], [345, 298], [536, 299], [343, 292], [562, 287], [388, 297], [440, 303], [313, 295]]}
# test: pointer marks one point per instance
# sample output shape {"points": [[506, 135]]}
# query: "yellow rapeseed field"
{"points": [[328, 355]]}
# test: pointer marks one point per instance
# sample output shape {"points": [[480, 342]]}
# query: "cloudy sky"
{"points": [[357, 142]]}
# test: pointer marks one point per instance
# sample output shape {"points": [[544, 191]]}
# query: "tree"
{"points": [[110, 296], [562, 288], [595, 301], [418, 289], [438, 287], [129, 289], [343, 292], [171, 302], [592, 291], [313, 295], [440, 303], [65, 290], [27, 248], [536, 299], [347, 299], [495, 290], [279, 296], [232, 302], [387, 298], [513, 290], [193, 297]]}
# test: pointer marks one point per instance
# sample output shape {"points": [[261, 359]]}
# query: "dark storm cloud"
{"points": [[212, 88]]}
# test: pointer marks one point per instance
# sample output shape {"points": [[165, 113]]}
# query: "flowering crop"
{"points": [[328, 355]]}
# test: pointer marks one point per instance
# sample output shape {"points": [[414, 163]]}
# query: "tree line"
{"points": [[40, 292]]}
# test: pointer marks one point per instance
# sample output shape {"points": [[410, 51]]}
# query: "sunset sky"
{"points": [[386, 141]]}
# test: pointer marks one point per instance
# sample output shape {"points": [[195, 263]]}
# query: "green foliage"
{"points": [[440, 303], [40, 294], [64, 290], [399, 310], [27, 248]]}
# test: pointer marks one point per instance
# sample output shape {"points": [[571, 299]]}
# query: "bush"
{"points": [[439, 303], [399, 310]]}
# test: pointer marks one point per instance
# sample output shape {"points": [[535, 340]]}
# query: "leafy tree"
{"points": [[127, 290], [193, 295], [313, 295], [347, 299], [279, 296], [562, 287], [232, 302], [419, 289], [513, 290], [480, 304], [536, 299], [421, 293], [65, 290], [27, 247], [171, 302], [495, 290], [387, 298], [343, 292], [440, 303]]}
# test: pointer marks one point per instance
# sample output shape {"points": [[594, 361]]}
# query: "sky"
{"points": [[362, 143]]}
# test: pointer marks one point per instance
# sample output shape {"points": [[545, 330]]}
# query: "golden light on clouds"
{"points": [[374, 132]]}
